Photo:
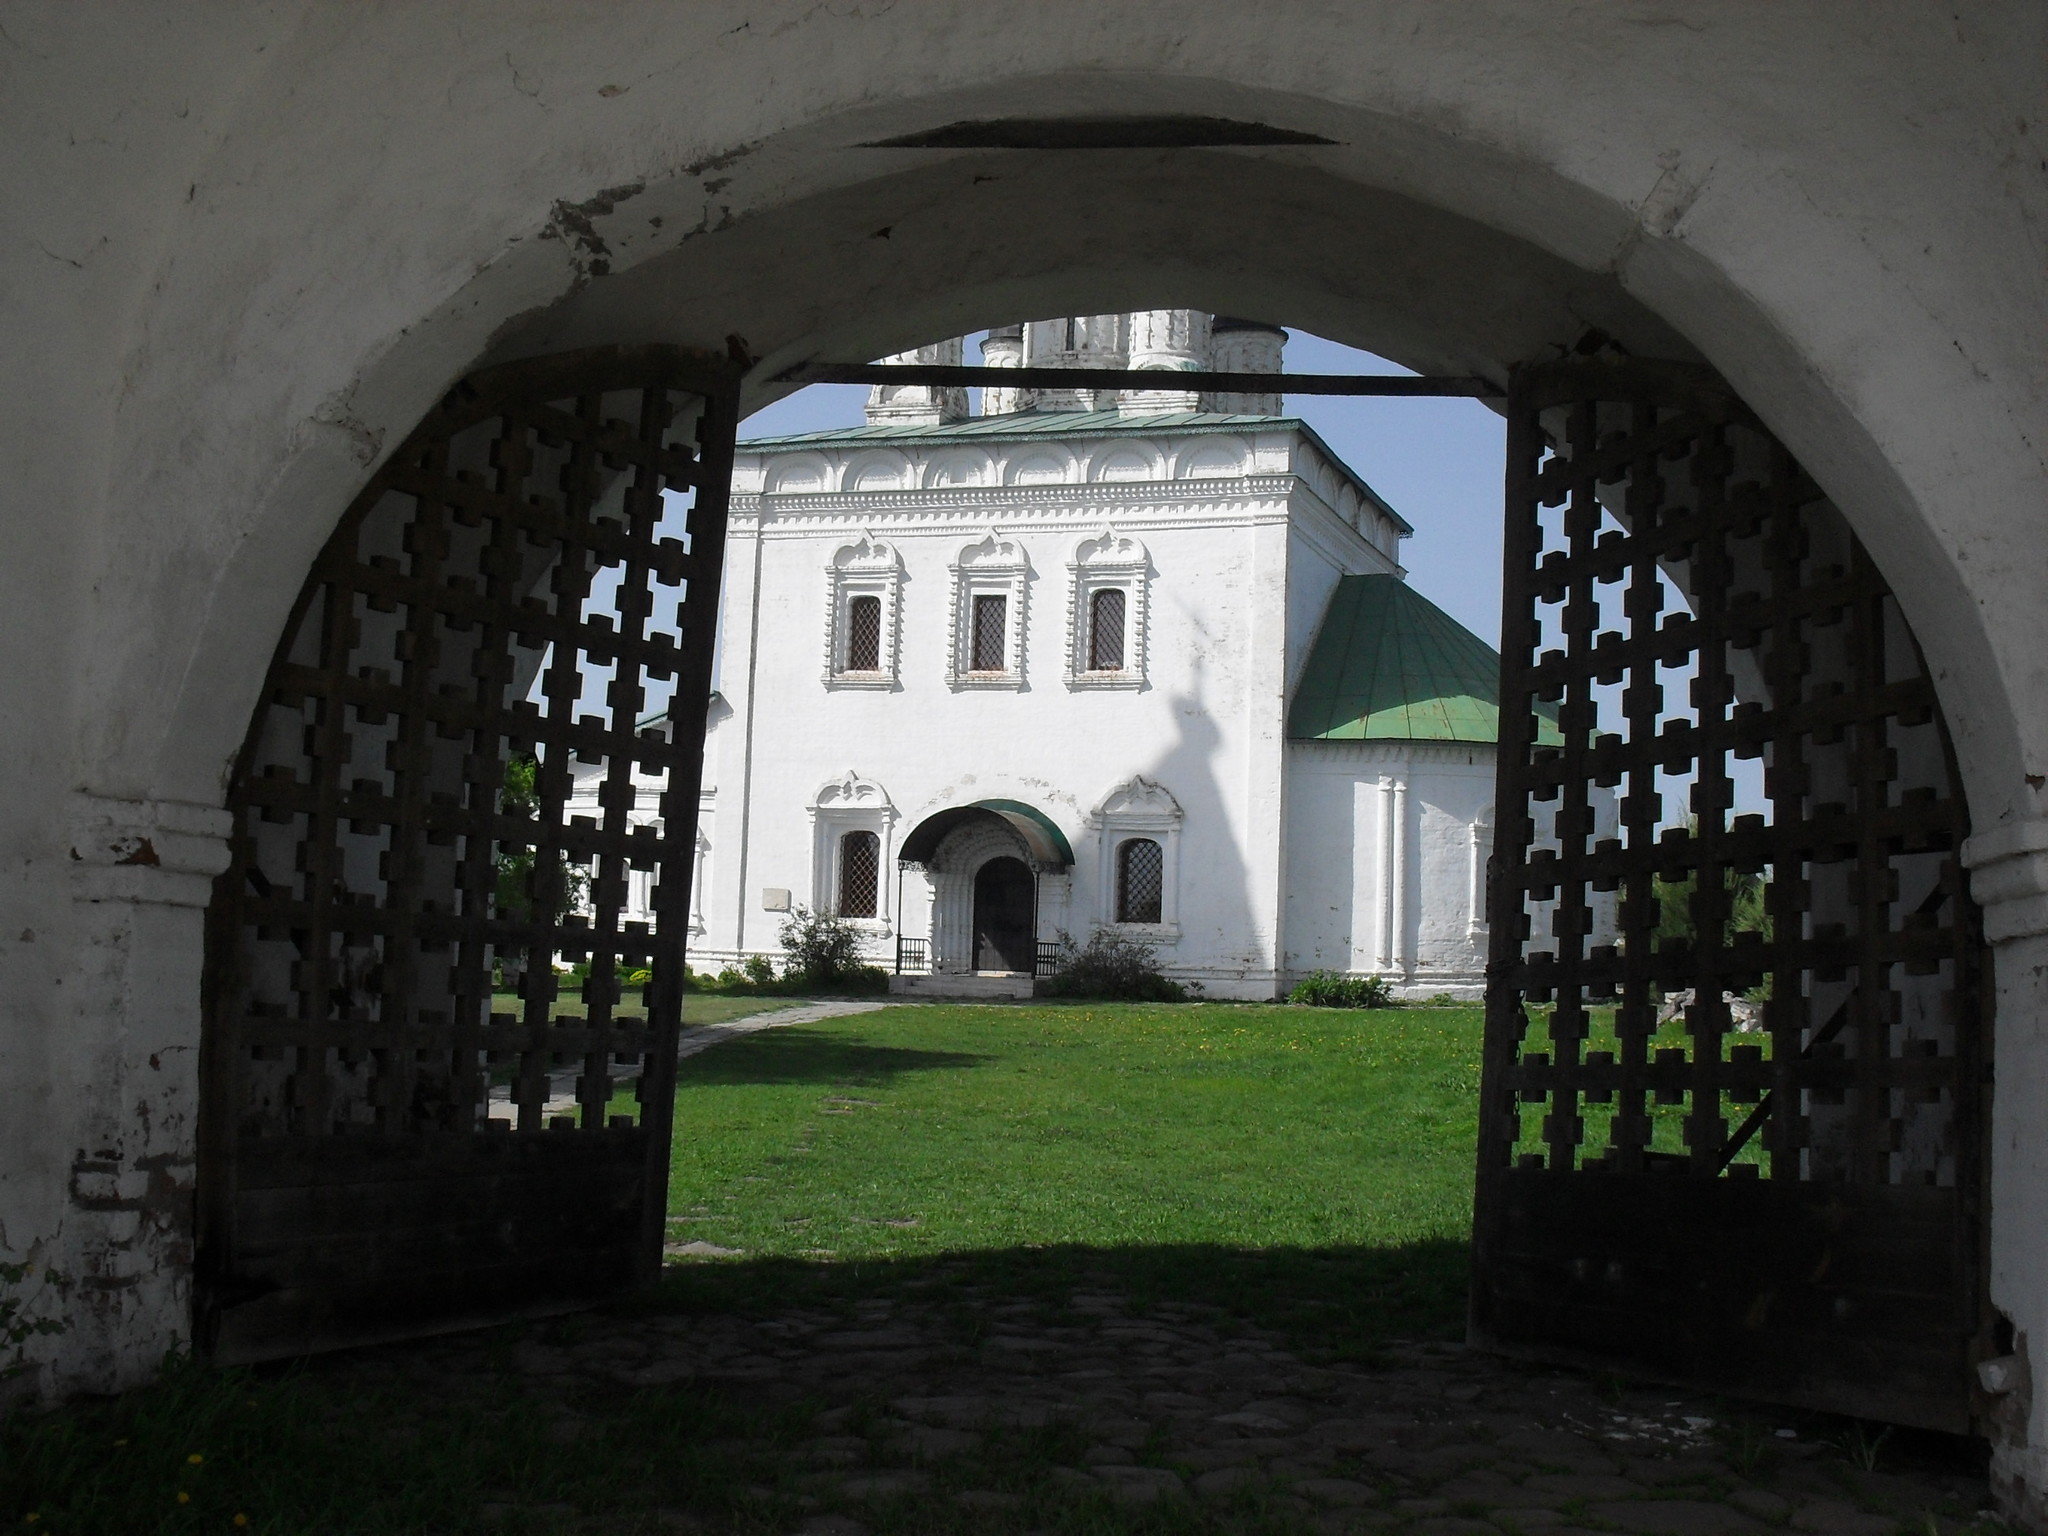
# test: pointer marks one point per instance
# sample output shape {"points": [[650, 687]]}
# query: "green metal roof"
{"points": [[1389, 665], [1026, 426]]}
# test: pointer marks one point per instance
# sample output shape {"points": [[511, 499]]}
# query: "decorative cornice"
{"points": [[150, 852]]}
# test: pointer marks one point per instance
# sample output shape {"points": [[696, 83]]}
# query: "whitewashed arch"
{"points": [[1212, 458]]}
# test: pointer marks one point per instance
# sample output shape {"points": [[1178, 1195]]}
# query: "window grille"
{"points": [[991, 613], [864, 635], [860, 868], [1140, 881], [1106, 630]]}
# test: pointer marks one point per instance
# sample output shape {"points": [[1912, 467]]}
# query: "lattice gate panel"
{"points": [[460, 763], [1736, 1058]]}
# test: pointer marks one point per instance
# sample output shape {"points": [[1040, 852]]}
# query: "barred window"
{"points": [[1106, 630], [991, 613], [863, 634], [860, 869], [1140, 881]]}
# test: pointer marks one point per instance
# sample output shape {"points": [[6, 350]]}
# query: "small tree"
{"points": [[1113, 966], [516, 882]]}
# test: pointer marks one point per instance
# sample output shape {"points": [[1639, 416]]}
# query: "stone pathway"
{"points": [[990, 1414], [561, 1098], [706, 1036]]}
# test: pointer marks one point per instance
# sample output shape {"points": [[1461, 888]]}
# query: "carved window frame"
{"points": [[1108, 560], [993, 566], [1138, 807], [869, 567], [851, 803]]}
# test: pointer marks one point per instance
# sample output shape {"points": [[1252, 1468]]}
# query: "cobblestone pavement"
{"points": [[981, 1413]]}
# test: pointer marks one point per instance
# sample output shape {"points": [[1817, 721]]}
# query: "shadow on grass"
{"points": [[793, 1054], [1340, 1302]]}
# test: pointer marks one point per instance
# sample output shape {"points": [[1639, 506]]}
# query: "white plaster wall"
{"points": [[246, 248], [1335, 835]]}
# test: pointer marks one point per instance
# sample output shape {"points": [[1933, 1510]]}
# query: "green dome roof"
{"points": [[1389, 665]]}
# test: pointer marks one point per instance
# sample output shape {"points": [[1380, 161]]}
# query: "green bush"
{"points": [[1113, 967], [1328, 989], [758, 970]]}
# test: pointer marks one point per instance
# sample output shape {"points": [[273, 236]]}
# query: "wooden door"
{"points": [[1005, 916], [1736, 1070], [499, 667]]}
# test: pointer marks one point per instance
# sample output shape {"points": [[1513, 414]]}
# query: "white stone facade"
{"points": [[1211, 542]]}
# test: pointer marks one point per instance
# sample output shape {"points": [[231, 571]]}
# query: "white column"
{"points": [[1388, 875], [1174, 341], [1397, 947], [2009, 877], [920, 404], [143, 874]]}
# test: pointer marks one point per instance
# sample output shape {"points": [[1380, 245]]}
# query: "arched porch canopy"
{"points": [[1047, 843]]}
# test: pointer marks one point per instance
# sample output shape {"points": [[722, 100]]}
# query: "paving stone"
{"points": [[964, 1412], [928, 1444], [1337, 1490], [1529, 1518], [1224, 1481], [1423, 1508], [1582, 1485], [1141, 1485], [1760, 1502], [987, 1498], [884, 1485], [1838, 1517], [1454, 1525], [831, 1525], [1107, 1456], [1673, 1517], [835, 1450]]}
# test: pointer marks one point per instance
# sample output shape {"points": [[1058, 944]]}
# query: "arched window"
{"points": [[860, 873], [1140, 880], [1106, 630], [863, 634]]}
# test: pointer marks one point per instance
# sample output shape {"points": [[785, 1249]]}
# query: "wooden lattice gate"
{"points": [[410, 1122], [1780, 1192]]}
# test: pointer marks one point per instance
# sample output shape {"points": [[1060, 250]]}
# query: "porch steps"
{"points": [[984, 987]]}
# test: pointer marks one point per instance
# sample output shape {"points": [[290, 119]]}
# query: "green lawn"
{"points": [[1291, 1160]]}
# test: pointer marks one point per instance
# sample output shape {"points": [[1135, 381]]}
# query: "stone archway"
{"points": [[247, 341]]}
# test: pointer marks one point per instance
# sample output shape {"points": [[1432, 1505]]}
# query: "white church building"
{"points": [[1092, 659]]}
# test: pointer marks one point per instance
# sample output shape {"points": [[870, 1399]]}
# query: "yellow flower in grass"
{"points": [[241, 1519], [195, 1458], [184, 1497], [30, 1518]]}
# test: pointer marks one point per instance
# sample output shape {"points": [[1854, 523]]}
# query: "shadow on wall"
{"points": [[1216, 917]]}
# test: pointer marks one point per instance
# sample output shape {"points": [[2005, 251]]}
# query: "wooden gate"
{"points": [[412, 1119], [1737, 1046]]}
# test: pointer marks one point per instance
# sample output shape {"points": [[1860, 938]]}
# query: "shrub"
{"points": [[820, 947], [757, 971], [1114, 967], [1327, 989]]}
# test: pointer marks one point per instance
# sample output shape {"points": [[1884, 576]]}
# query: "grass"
{"points": [[1307, 1168], [1262, 1158]]}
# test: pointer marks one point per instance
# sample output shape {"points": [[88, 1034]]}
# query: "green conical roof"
{"points": [[1389, 665]]}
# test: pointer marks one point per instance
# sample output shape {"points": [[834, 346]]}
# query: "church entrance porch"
{"points": [[995, 876]]}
